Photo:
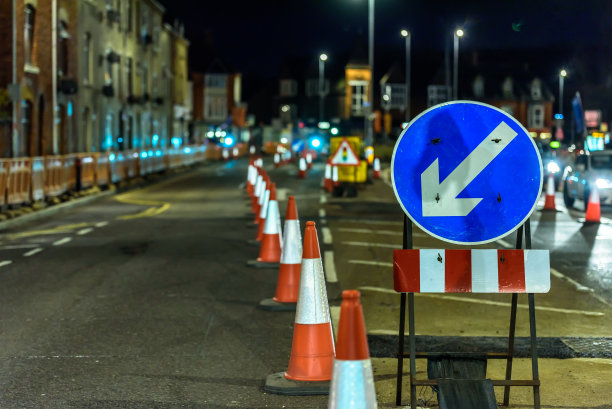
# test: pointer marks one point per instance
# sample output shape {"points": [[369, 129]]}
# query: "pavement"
{"points": [[143, 300]]}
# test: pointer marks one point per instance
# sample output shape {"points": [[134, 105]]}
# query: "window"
{"points": [[128, 16], [215, 107], [215, 81], [508, 88], [509, 109], [312, 87], [288, 88], [87, 58], [536, 89], [62, 50], [535, 116], [28, 34], [129, 65], [144, 80], [358, 96]]}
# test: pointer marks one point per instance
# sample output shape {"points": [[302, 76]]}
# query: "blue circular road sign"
{"points": [[466, 172]]}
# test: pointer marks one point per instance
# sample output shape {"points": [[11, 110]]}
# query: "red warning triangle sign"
{"points": [[345, 155]]}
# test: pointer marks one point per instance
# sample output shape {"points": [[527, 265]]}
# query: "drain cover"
{"points": [[590, 347]]}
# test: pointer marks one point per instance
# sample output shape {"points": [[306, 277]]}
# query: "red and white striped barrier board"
{"points": [[471, 271]]}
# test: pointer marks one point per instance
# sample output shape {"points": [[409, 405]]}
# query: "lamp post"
{"points": [[406, 35], [369, 132], [322, 59], [458, 33], [562, 75]]}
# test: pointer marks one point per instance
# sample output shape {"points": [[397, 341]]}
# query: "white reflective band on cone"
{"points": [[253, 175], [262, 192], [312, 307], [302, 164], [328, 171], [376, 164], [252, 149], [292, 246], [259, 162], [335, 174], [271, 226], [550, 185], [235, 152], [265, 198], [352, 386], [308, 157], [258, 181], [225, 153], [276, 158]]}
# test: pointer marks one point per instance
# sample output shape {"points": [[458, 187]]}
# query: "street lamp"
{"points": [[369, 132], [562, 75], [322, 59], [458, 33], [406, 35]]}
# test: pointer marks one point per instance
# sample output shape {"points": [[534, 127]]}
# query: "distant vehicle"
{"points": [[589, 170]]}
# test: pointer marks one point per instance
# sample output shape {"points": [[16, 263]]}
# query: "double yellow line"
{"points": [[155, 209]]}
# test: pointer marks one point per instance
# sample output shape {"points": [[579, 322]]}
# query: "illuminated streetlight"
{"points": [[323, 57], [458, 33], [563, 73]]}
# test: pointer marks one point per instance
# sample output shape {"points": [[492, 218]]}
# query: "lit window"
{"points": [[28, 33]]}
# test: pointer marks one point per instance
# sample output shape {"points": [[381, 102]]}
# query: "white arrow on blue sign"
{"points": [[466, 172]]}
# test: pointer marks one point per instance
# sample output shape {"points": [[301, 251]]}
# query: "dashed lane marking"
{"points": [[101, 224], [322, 213], [330, 267], [505, 244], [19, 246], [323, 199], [487, 302], [389, 222], [366, 244], [32, 252], [371, 263], [85, 231], [327, 236], [5, 263], [579, 287], [62, 241]]}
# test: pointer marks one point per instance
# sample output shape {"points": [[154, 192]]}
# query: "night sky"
{"points": [[253, 36]]}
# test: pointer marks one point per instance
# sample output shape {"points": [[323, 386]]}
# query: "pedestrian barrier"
{"points": [[4, 172], [70, 172], [288, 283], [38, 179], [593, 207], [549, 202], [55, 176], [271, 240], [352, 385], [312, 350], [102, 168], [18, 185], [117, 167], [131, 164], [87, 166]]}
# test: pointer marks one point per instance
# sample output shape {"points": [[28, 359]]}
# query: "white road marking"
{"points": [[101, 224], [366, 244], [386, 232], [5, 263], [19, 246], [85, 231], [486, 302], [579, 287], [394, 223], [32, 252], [62, 241], [330, 267], [327, 236], [281, 194], [505, 244], [322, 213], [371, 263], [323, 199]]}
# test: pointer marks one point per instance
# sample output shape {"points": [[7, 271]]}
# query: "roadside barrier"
{"points": [[38, 179], [102, 168], [18, 185], [302, 168], [70, 172], [117, 165], [352, 384], [593, 207], [55, 176], [271, 240], [312, 351], [130, 159], [87, 164], [263, 210], [327, 182], [549, 202], [4, 171], [288, 283], [376, 168]]}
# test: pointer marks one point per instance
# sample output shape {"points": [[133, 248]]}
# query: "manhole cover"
{"points": [[599, 347]]}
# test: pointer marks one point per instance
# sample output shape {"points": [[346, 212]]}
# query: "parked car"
{"points": [[591, 169]]}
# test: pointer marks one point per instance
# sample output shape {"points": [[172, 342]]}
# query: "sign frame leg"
{"points": [[406, 244]]}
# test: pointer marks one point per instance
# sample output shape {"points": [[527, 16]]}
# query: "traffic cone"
{"points": [[288, 282], [249, 181], [252, 150], [335, 176], [549, 202], [259, 163], [260, 198], [593, 207], [271, 241], [235, 152], [302, 168], [276, 160], [376, 168], [327, 182], [256, 193], [312, 350], [309, 160], [225, 154], [352, 384], [263, 213]]}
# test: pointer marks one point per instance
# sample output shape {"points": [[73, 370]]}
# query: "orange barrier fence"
{"points": [[18, 187], [4, 171], [70, 169], [131, 164], [54, 176], [102, 168], [87, 166], [38, 179], [117, 163]]}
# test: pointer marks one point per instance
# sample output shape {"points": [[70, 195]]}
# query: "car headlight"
{"points": [[603, 183], [553, 167]]}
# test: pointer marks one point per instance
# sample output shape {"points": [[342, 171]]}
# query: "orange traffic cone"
{"points": [[549, 202], [312, 350], [302, 168], [249, 182], [252, 149], [327, 182], [593, 208], [352, 383], [309, 160], [288, 282], [376, 168], [226, 154], [335, 181], [263, 213], [276, 160], [265, 181], [270, 251], [257, 194]]}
